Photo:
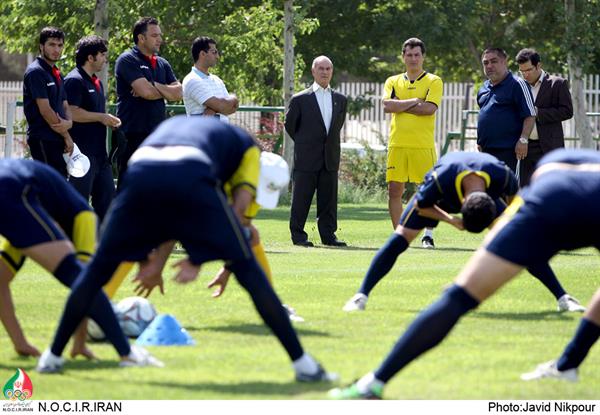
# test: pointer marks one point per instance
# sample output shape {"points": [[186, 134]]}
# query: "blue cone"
{"points": [[165, 330]]}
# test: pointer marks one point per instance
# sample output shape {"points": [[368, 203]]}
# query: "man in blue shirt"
{"points": [[85, 94], [507, 113], [556, 212], [478, 186], [144, 81], [45, 103], [186, 161]]}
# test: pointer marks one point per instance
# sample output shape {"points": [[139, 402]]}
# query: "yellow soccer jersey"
{"points": [[408, 130], [246, 176]]}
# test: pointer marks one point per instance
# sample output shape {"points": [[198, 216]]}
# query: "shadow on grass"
{"points": [[443, 248], [256, 330], [254, 388], [534, 316], [362, 213], [69, 365]]}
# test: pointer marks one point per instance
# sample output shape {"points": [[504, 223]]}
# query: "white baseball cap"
{"points": [[274, 177], [77, 163]]}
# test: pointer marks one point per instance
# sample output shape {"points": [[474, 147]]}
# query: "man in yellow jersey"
{"points": [[412, 98]]}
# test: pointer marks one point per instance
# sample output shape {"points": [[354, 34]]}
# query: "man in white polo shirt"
{"points": [[203, 92]]}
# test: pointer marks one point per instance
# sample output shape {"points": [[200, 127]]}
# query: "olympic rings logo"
{"points": [[17, 395]]}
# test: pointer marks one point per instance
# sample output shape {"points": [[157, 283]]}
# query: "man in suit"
{"points": [[313, 120], [553, 105]]}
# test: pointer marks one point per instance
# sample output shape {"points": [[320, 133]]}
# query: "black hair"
{"points": [[498, 51], [413, 42], [89, 45], [51, 32], [141, 27], [201, 44], [478, 212], [530, 55]]}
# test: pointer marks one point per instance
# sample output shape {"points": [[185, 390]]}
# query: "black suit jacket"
{"points": [[314, 149], [554, 105]]}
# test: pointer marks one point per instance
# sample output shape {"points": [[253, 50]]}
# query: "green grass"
{"points": [[237, 358]]}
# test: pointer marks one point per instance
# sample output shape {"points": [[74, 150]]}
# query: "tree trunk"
{"points": [[582, 124], [101, 28], [288, 74]]}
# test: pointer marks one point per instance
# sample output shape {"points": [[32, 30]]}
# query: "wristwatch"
{"points": [[523, 140]]}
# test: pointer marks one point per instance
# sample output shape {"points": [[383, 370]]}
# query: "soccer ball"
{"points": [[135, 314]]}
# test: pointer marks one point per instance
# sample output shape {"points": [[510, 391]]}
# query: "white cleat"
{"points": [[568, 303], [140, 357], [49, 363], [356, 303], [549, 370], [293, 316]]}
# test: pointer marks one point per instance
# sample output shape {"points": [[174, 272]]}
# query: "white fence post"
{"points": [[10, 128]]}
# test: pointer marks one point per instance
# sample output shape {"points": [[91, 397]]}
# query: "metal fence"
{"points": [[371, 125]]}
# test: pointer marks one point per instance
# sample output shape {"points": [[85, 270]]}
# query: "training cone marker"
{"points": [[165, 330]]}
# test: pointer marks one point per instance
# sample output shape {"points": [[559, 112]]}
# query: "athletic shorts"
{"points": [[161, 201], [559, 211], [409, 165]]}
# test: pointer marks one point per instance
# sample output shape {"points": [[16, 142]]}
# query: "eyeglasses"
{"points": [[213, 51]]}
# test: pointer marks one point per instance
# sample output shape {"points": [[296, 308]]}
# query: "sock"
{"points": [[544, 273], [261, 258], [586, 335], [305, 364], [367, 382], [87, 298], [68, 270], [117, 279], [268, 305], [428, 232], [427, 330], [383, 262]]}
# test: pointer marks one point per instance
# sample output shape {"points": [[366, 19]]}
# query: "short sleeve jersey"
{"points": [[443, 184], [137, 114], [503, 107], [199, 87], [90, 137], [408, 130], [39, 82], [234, 157]]}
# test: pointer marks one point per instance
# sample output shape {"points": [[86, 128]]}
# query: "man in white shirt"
{"points": [[203, 92], [314, 120]]}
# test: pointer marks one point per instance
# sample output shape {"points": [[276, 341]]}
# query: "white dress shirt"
{"points": [[325, 101], [535, 89]]}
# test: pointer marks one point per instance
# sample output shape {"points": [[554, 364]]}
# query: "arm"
{"points": [[171, 92], [225, 106], [55, 121], [292, 117], [150, 272], [144, 89], [521, 148], [242, 198], [423, 108], [562, 112], [84, 116], [393, 105], [436, 213]]}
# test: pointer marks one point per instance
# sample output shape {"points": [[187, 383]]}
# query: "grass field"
{"points": [[237, 358]]}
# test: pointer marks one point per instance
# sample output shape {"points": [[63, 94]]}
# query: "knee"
{"points": [[395, 190]]}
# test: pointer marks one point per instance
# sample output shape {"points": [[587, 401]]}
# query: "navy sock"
{"points": [[268, 305], [586, 335], [428, 329], [87, 298], [383, 262], [68, 270], [544, 273]]}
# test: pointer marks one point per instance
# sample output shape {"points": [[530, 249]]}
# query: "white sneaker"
{"points": [[293, 316], [140, 357], [49, 363], [356, 303], [568, 303], [549, 370]]}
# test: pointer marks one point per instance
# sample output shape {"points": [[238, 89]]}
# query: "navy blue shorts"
{"points": [[412, 220], [162, 201], [23, 220], [559, 212]]}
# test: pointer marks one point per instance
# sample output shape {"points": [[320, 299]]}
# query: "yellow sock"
{"points": [[117, 279], [261, 258]]}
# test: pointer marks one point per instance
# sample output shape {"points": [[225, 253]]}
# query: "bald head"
{"points": [[322, 70]]}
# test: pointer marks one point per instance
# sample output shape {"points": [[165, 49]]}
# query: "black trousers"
{"points": [[49, 152], [507, 155], [132, 142], [528, 164], [325, 183], [97, 183]]}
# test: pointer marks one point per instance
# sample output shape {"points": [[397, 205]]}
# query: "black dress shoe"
{"points": [[335, 242], [306, 244]]}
